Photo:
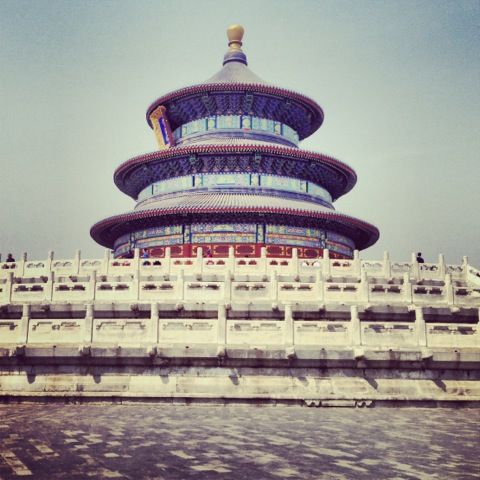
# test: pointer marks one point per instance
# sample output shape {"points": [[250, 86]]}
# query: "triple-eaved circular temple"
{"points": [[229, 181], [229, 173]]}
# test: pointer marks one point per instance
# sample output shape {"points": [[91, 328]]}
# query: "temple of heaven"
{"points": [[229, 173]]}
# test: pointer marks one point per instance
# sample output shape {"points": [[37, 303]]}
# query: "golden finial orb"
{"points": [[235, 35]]}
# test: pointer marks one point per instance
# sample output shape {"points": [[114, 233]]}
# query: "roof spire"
{"points": [[235, 53]]}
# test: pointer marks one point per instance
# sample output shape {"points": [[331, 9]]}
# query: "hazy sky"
{"points": [[399, 82]]}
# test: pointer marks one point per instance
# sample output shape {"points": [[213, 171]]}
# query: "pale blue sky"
{"points": [[399, 82]]}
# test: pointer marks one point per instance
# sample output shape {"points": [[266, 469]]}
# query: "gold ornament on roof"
{"points": [[235, 35]]}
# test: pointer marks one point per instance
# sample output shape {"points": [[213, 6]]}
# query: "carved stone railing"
{"points": [[239, 280], [248, 266], [221, 326]]}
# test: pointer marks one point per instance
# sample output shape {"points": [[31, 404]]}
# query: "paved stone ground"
{"points": [[144, 441]]}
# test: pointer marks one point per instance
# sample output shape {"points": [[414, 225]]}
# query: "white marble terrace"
{"points": [[239, 301]]}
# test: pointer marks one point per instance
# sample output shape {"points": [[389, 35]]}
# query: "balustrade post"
{"points": [[222, 327], [326, 267], [199, 261], [449, 289], [465, 268], [295, 265], [478, 327], [364, 287], [415, 269], [263, 259], [49, 262], [228, 287], [319, 285], [48, 289], [21, 267], [24, 324], [88, 324], [136, 260], [289, 333], [92, 285], [274, 287], [180, 285], [76, 262], [387, 266], [105, 262], [420, 327], [155, 320], [442, 268], [357, 264], [231, 260], [355, 327], [136, 274], [168, 260], [9, 287], [407, 288]]}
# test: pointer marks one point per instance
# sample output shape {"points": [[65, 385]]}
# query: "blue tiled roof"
{"points": [[236, 72], [225, 200]]}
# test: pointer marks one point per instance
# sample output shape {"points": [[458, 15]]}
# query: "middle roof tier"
{"points": [[136, 174]]}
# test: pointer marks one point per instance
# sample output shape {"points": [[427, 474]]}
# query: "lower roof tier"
{"points": [[220, 208], [139, 172]]}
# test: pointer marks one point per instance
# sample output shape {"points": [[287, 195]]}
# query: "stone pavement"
{"points": [[164, 441]]}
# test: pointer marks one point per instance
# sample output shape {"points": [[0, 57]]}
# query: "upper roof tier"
{"points": [[236, 90]]}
